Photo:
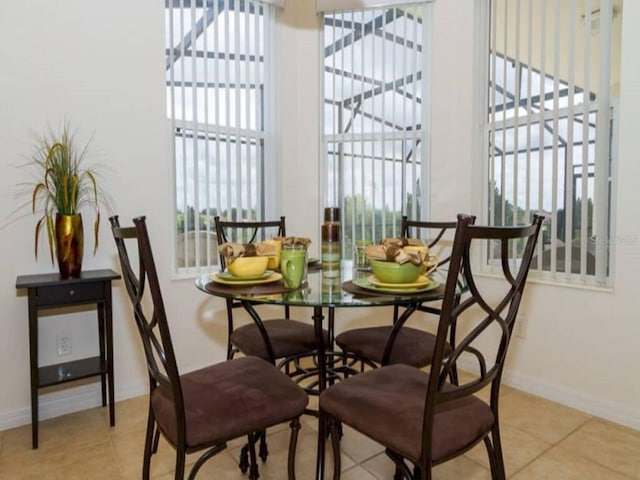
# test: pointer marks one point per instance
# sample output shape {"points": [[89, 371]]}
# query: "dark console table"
{"points": [[48, 291]]}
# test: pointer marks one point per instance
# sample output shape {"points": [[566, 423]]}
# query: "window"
{"points": [[553, 74], [219, 92], [375, 136]]}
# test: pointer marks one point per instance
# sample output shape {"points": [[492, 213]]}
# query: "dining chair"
{"points": [[419, 417], [205, 408], [399, 343], [287, 340]]}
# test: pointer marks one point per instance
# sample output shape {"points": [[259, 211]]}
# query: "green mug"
{"points": [[293, 265]]}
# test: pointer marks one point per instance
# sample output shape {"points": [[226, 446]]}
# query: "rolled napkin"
{"points": [[391, 250], [304, 241], [230, 250], [402, 242]]}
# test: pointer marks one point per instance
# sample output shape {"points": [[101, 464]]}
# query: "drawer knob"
{"points": [[72, 293]]}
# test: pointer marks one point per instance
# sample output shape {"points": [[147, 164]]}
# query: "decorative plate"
{"points": [[421, 281], [230, 277], [364, 283], [274, 277]]}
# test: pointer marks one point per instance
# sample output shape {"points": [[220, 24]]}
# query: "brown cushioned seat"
{"points": [[387, 405], [288, 337], [226, 400], [411, 347]]}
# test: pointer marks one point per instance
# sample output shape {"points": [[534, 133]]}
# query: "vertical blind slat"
{"points": [[493, 99], [541, 119], [207, 173], [568, 204], [529, 112], [601, 227], [227, 109], [239, 186], [414, 122], [584, 214], [383, 139], [185, 185], [555, 123], [516, 130], [194, 140]]}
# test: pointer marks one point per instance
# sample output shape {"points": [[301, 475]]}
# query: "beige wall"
{"points": [[103, 65]]}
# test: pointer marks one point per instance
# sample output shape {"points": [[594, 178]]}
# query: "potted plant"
{"points": [[64, 186]]}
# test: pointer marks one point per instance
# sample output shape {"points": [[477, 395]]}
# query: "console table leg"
{"points": [[108, 323], [33, 365], [101, 341]]}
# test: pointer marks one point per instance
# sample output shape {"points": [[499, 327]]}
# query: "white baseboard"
{"points": [[624, 415], [69, 400]]}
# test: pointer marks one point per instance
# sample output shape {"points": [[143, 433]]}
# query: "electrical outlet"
{"points": [[521, 327], [64, 343]]}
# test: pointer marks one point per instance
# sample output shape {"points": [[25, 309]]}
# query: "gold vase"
{"points": [[69, 244]]}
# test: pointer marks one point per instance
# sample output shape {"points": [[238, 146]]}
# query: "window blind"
{"points": [[374, 118], [219, 83], [550, 129]]}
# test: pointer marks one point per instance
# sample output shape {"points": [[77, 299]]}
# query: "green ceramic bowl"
{"points": [[392, 272]]}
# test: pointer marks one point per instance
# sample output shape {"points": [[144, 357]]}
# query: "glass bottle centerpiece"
{"points": [[331, 242]]}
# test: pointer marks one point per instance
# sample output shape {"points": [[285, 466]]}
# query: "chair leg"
{"points": [[264, 451], [322, 435], [422, 474], [335, 430], [293, 443], [180, 463], [244, 459], [397, 475], [253, 464], [402, 470], [148, 446], [494, 451]]}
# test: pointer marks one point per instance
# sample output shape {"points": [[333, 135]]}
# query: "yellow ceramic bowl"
{"points": [[248, 266], [392, 272]]}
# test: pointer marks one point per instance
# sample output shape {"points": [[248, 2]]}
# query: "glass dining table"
{"points": [[325, 291]]}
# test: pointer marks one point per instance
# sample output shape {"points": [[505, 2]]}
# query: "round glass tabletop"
{"points": [[345, 287]]}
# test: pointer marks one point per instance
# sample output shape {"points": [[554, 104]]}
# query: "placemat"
{"points": [[266, 289], [315, 266]]}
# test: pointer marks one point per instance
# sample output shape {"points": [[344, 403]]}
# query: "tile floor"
{"points": [[542, 440]]}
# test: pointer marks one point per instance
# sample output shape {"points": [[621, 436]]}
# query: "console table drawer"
{"points": [[63, 294]]}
